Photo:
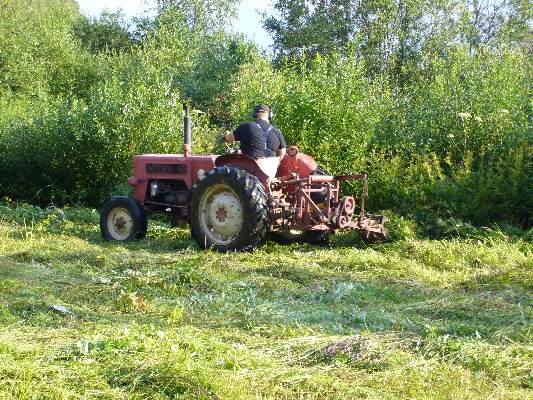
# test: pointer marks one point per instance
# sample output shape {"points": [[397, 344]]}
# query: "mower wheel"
{"points": [[123, 219], [319, 238], [228, 210]]}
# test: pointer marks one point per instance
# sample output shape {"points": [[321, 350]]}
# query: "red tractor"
{"points": [[231, 202]]}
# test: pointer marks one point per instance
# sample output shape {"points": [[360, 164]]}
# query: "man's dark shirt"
{"points": [[252, 142]]}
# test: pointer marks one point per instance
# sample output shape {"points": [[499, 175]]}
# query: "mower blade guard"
{"points": [[372, 227]]}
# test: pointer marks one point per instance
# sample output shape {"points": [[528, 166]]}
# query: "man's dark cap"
{"points": [[262, 108]]}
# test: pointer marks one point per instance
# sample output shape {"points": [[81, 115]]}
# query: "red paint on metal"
{"points": [[244, 162], [354, 177], [344, 222], [186, 149], [293, 150], [300, 163], [194, 163], [349, 205], [321, 178]]}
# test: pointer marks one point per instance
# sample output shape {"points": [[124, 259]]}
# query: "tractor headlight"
{"points": [[153, 188]]}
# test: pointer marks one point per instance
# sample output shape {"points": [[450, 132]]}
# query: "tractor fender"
{"points": [[244, 162], [297, 163]]}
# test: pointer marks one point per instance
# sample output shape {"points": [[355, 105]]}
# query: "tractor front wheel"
{"points": [[228, 210], [123, 219]]}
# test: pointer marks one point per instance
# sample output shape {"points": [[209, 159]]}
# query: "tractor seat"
{"points": [[269, 165]]}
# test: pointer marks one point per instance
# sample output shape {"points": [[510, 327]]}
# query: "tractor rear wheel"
{"points": [[228, 210], [123, 219]]}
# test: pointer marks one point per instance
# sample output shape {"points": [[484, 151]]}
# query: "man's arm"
{"points": [[281, 153]]}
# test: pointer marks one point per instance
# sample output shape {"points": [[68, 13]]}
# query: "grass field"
{"points": [[159, 319]]}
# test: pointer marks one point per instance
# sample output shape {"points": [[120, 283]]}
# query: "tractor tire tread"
{"points": [[254, 201], [138, 215]]}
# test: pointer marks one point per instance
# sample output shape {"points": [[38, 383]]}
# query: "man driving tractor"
{"points": [[260, 140]]}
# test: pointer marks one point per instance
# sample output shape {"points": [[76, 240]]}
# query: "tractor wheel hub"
{"points": [[119, 223], [221, 213]]}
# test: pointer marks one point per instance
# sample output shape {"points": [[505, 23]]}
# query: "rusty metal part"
{"points": [[349, 205], [364, 195], [343, 222], [311, 203], [354, 177], [372, 227]]}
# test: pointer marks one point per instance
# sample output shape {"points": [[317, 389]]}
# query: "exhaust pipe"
{"points": [[186, 131]]}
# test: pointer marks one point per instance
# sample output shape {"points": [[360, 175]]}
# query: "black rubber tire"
{"points": [[137, 213], [253, 200], [319, 238]]}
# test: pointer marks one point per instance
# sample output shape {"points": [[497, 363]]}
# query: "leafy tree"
{"points": [[311, 27], [491, 22], [106, 34], [392, 35], [38, 55], [200, 63], [518, 29], [202, 15]]}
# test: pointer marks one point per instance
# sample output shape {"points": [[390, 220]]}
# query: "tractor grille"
{"points": [[164, 169]]}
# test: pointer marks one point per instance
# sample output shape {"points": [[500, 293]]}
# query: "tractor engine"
{"points": [[168, 192]]}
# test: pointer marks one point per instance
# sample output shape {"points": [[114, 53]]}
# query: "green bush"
{"points": [[463, 103], [38, 55], [77, 150]]}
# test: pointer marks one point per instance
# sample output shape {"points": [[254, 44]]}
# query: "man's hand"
{"points": [[281, 153], [228, 137]]}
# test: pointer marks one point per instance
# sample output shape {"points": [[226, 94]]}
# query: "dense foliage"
{"points": [[66, 146], [391, 35], [441, 121], [456, 143]]}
